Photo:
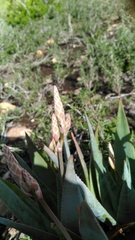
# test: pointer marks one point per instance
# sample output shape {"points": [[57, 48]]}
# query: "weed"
{"points": [[94, 39]]}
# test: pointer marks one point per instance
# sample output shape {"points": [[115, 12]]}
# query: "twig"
{"points": [[120, 96]]}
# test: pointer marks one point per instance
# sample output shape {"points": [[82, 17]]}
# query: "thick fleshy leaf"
{"points": [[127, 174], [66, 150], [52, 155], [93, 180], [97, 156], [90, 228], [83, 164], [55, 219], [126, 206], [33, 232], [71, 198], [41, 166], [93, 173], [98, 210], [73, 235], [122, 145], [22, 206], [108, 190], [44, 171]]}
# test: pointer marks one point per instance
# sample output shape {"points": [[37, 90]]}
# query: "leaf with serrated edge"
{"points": [[106, 184], [83, 164], [84, 193], [126, 206], [47, 193], [122, 144], [66, 150], [98, 210], [21, 205], [97, 156], [44, 171], [71, 198], [89, 225], [127, 173]]}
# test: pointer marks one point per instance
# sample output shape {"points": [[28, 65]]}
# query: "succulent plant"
{"points": [[52, 202]]}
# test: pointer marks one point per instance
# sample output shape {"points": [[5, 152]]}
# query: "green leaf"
{"points": [[33, 232], [66, 150], [42, 167], [55, 219], [93, 180], [97, 156], [52, 155], [22, 206], [90, 229], [83, 164], [44, 171], [126, 206], [108, 189], [127, 173], [71, 198], [73, 235], [59, 195], [122, 145], [49, 196], [98, 210]]}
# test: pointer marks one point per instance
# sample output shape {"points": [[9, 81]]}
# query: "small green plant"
{"points": [[22, 11], [26, 238], [52, 202]]}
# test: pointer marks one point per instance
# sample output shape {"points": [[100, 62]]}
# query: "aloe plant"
{"points": [[52, 202]]}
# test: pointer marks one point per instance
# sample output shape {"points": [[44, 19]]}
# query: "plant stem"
{"points": [[55, 219]]}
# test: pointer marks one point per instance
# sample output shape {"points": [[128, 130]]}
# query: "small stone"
{"points": [[18, 132], [77, 91], [50, 41], [6, 107], [54, 60], [39, 53]]}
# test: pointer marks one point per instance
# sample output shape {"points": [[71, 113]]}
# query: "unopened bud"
{"points": [[22, 178]]}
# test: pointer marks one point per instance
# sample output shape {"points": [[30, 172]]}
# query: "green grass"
{"points": [[102, 57], [3, 5]]}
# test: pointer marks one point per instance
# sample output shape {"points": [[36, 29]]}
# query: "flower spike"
{"points": [[59, 111], [22, 178], [55, 129]]}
